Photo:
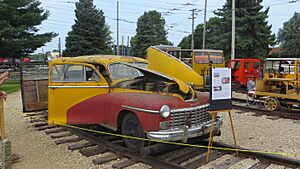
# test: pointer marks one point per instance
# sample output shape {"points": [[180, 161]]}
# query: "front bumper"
{"points": [[185, 133]]}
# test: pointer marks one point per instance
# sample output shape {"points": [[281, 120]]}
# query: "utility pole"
{"points": [[118, 19], [122, 45], [128, 50], [59, 47], [204, 25], [193, 22], [233, 31]]}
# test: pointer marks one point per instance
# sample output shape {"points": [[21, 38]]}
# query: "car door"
{"points": [[74, 90]]}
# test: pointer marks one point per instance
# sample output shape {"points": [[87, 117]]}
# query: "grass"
{"points": [[10, 86]]}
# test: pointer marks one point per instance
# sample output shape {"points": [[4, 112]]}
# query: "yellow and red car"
{"points": [[120, 93]]}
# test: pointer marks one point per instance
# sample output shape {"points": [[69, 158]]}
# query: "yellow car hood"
{"points": [[150, 73], [167, 64]]}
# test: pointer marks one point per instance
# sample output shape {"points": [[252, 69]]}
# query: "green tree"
{"points": [[210, 36], [150, 31], [18, 31], [289, 36], [185, 42], [90, 34], [253, 34]]}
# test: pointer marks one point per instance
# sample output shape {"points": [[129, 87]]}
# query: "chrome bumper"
{"points": [[184, 133]]}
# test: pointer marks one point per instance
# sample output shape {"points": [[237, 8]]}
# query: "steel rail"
{"points": [[124, 151], [276, 159], [160, 163], [150, 155], [282, 112]]}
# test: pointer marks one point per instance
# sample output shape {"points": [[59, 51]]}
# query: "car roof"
{"points": [[102, 59]]}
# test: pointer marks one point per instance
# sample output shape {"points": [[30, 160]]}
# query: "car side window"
{"points": [[91, 75], [73, 73], [57, 73]]}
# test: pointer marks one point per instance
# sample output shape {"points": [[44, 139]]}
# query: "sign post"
{"points": [[220, 100]]}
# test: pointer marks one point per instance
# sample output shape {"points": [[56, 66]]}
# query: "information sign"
{"points": [[220, 89]]}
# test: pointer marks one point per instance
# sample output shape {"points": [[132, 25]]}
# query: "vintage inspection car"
{"points": [[120, 93]]}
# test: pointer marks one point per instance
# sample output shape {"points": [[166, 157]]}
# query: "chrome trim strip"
{"points": [[53, 87], [184, 133], [140, 109], [190, 108]]}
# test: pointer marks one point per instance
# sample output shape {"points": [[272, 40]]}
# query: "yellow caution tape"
{"points": [[175, 143]]}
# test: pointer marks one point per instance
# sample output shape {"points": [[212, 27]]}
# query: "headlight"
{"points": [[165, 111]]}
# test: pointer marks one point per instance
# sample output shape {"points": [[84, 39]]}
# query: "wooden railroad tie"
{"points": [[123, 164], [105, 159]]}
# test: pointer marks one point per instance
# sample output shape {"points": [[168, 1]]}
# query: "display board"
{"points": [[220, 89]]}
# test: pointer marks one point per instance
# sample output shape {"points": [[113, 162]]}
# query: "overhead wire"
{"points": [[169, 10]]}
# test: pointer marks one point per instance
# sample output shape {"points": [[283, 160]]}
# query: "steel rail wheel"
{"points": [[271, 104], [131, 127]]}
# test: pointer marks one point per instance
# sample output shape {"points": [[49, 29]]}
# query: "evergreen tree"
{"points": [[185, 42], [150, 31], [253, 34], [289, 36], [90, 34], [18, 31], [210, 36]]}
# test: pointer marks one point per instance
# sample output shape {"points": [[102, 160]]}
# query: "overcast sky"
{"points": [[175, 12]]}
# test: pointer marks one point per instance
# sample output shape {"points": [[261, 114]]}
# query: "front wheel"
{"points": [[131, 127]]}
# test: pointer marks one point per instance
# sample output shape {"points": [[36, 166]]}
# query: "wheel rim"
{"points": [[271, 104]]}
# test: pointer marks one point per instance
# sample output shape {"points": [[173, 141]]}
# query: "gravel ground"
{"points": [[261, 133], [37, 150]]}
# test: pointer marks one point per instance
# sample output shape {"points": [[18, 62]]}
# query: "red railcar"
{"points": [[244, 70]]}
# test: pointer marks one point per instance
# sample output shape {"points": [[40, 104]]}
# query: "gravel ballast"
{"points": [[38, 150]]}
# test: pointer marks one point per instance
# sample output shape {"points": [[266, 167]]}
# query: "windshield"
{"points": [[209, 57], [216, 57], [121, 71], [201, 57]]}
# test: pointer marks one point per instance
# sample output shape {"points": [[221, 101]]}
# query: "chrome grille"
{"points": [[199, 115]]}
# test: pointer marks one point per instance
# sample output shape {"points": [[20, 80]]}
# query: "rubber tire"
{"points": [[131, 127]]}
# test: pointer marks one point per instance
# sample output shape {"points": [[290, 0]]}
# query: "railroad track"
{"points": [[257, 108], [112, 148]]}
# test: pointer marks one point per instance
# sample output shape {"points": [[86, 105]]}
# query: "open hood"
{"points": [[182, 86], [167, 64]]}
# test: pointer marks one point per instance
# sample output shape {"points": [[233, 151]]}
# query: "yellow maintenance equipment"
{"points": [[170, 60], [280, 84]]}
